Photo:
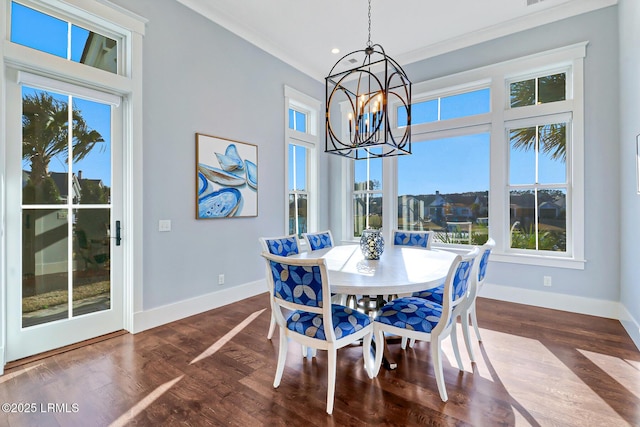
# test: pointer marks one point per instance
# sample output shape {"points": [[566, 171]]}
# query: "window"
{"points": [[443, 186], [64, 39], [496, 151], [302, 114], [538, 174], [367, 195]]}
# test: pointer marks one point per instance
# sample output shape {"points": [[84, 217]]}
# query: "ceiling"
{"points": [[303, 32]]}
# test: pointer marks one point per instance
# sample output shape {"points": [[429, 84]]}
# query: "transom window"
{"points": [[64, 39]]}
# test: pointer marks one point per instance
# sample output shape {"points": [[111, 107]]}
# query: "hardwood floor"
{"points": [[535, 367]]}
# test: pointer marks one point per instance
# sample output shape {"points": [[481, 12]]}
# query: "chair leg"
{"points": [[332, 355], [272, 326], [403, 343], [366, 355], [474, 320], [379, 338], [467, 335], [282, 357], [436, 356], [454, 342]]}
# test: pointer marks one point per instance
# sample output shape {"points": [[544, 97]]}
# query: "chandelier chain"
{"points": [[369, 39]]}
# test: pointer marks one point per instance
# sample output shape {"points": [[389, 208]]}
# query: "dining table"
{"points": [[399, 270]]}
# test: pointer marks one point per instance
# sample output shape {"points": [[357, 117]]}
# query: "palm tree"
{"points": [[45, 133], [552, 138]]}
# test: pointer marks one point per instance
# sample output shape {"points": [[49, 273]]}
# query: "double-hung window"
{"points": [[496, 152], [443, 186], [539, 146], [301, 133]]}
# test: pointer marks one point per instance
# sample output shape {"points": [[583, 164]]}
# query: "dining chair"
{"points": [[319, 240], [302, 286], [424, 320], [467, 310], [485, 252], [283, 246], [420, 239]]}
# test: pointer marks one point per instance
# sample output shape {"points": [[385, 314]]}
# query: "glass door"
{"points": [[65, 285]]}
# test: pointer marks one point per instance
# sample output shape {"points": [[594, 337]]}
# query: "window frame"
{"points": [[309, 106], [498, 77], [128, 29]]}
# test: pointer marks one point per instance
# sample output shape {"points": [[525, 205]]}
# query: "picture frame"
{"points": [[226, 178]]}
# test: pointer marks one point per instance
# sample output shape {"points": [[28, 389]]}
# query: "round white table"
{"points": [[400, 269]]}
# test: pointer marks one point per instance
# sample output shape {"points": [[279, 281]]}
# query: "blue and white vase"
{"points": [[371, 243]]}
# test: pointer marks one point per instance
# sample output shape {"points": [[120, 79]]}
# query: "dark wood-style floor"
{"points": [[536, 367]]}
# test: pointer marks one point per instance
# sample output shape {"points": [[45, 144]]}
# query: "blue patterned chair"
{"points": [[302, 285], [283, 246], [319, 240], [423, 320], [467, 310], [470, 309], [420, 239]]}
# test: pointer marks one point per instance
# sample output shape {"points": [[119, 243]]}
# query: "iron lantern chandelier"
{"points": [[363, 96]]}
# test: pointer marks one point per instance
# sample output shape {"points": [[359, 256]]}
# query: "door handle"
{"points": [[118, 237]]}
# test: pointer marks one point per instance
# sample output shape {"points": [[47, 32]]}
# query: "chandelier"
{"points": [[361, 88]]}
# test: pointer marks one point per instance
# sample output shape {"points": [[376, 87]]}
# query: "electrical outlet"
{"points": [[547, 281], [220, 279], [164, 225]]}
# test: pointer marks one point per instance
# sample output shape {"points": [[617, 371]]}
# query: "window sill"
{"points": [[542, 261]]}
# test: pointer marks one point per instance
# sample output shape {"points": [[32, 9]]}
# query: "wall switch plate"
{"points": [[220, 279], [164, 225], [547, 281]]}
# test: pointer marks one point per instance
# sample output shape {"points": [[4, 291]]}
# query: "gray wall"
{"points": [[600, 279], [198, 77], [629, 12]]}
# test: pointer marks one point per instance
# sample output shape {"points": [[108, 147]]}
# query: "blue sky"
{"points": [[48, 34]]}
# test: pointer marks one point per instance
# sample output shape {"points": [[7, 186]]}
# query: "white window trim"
{"points": [[497, 77], [310, 140], [129, 29]]}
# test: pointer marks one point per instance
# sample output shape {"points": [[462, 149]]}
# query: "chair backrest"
{"points": [[485, 251], [457, 283], [319, 240], [282, 245], [303, 285], [420, 239]]}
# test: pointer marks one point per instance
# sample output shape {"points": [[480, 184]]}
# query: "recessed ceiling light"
{"points": [[335, 50]]}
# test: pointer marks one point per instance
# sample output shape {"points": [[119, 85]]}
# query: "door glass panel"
{"points": [[92, 152], [65, 163], [44, 266], [45, 125], [91, 261]]}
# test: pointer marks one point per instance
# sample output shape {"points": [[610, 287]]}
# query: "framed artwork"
{"points": [[226, 178]]}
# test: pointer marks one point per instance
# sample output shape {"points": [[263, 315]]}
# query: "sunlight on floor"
{"points": [[125, 418], [624, 372], [506, 353], [228, 336], [7, 377]]}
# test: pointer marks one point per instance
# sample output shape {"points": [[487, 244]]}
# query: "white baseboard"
{"points": [[630, 324], [158, 316], [570, 303]]}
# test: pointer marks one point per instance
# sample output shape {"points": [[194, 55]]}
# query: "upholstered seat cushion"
{"points": [[346, 321], [434, 294], [411, 313]]}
